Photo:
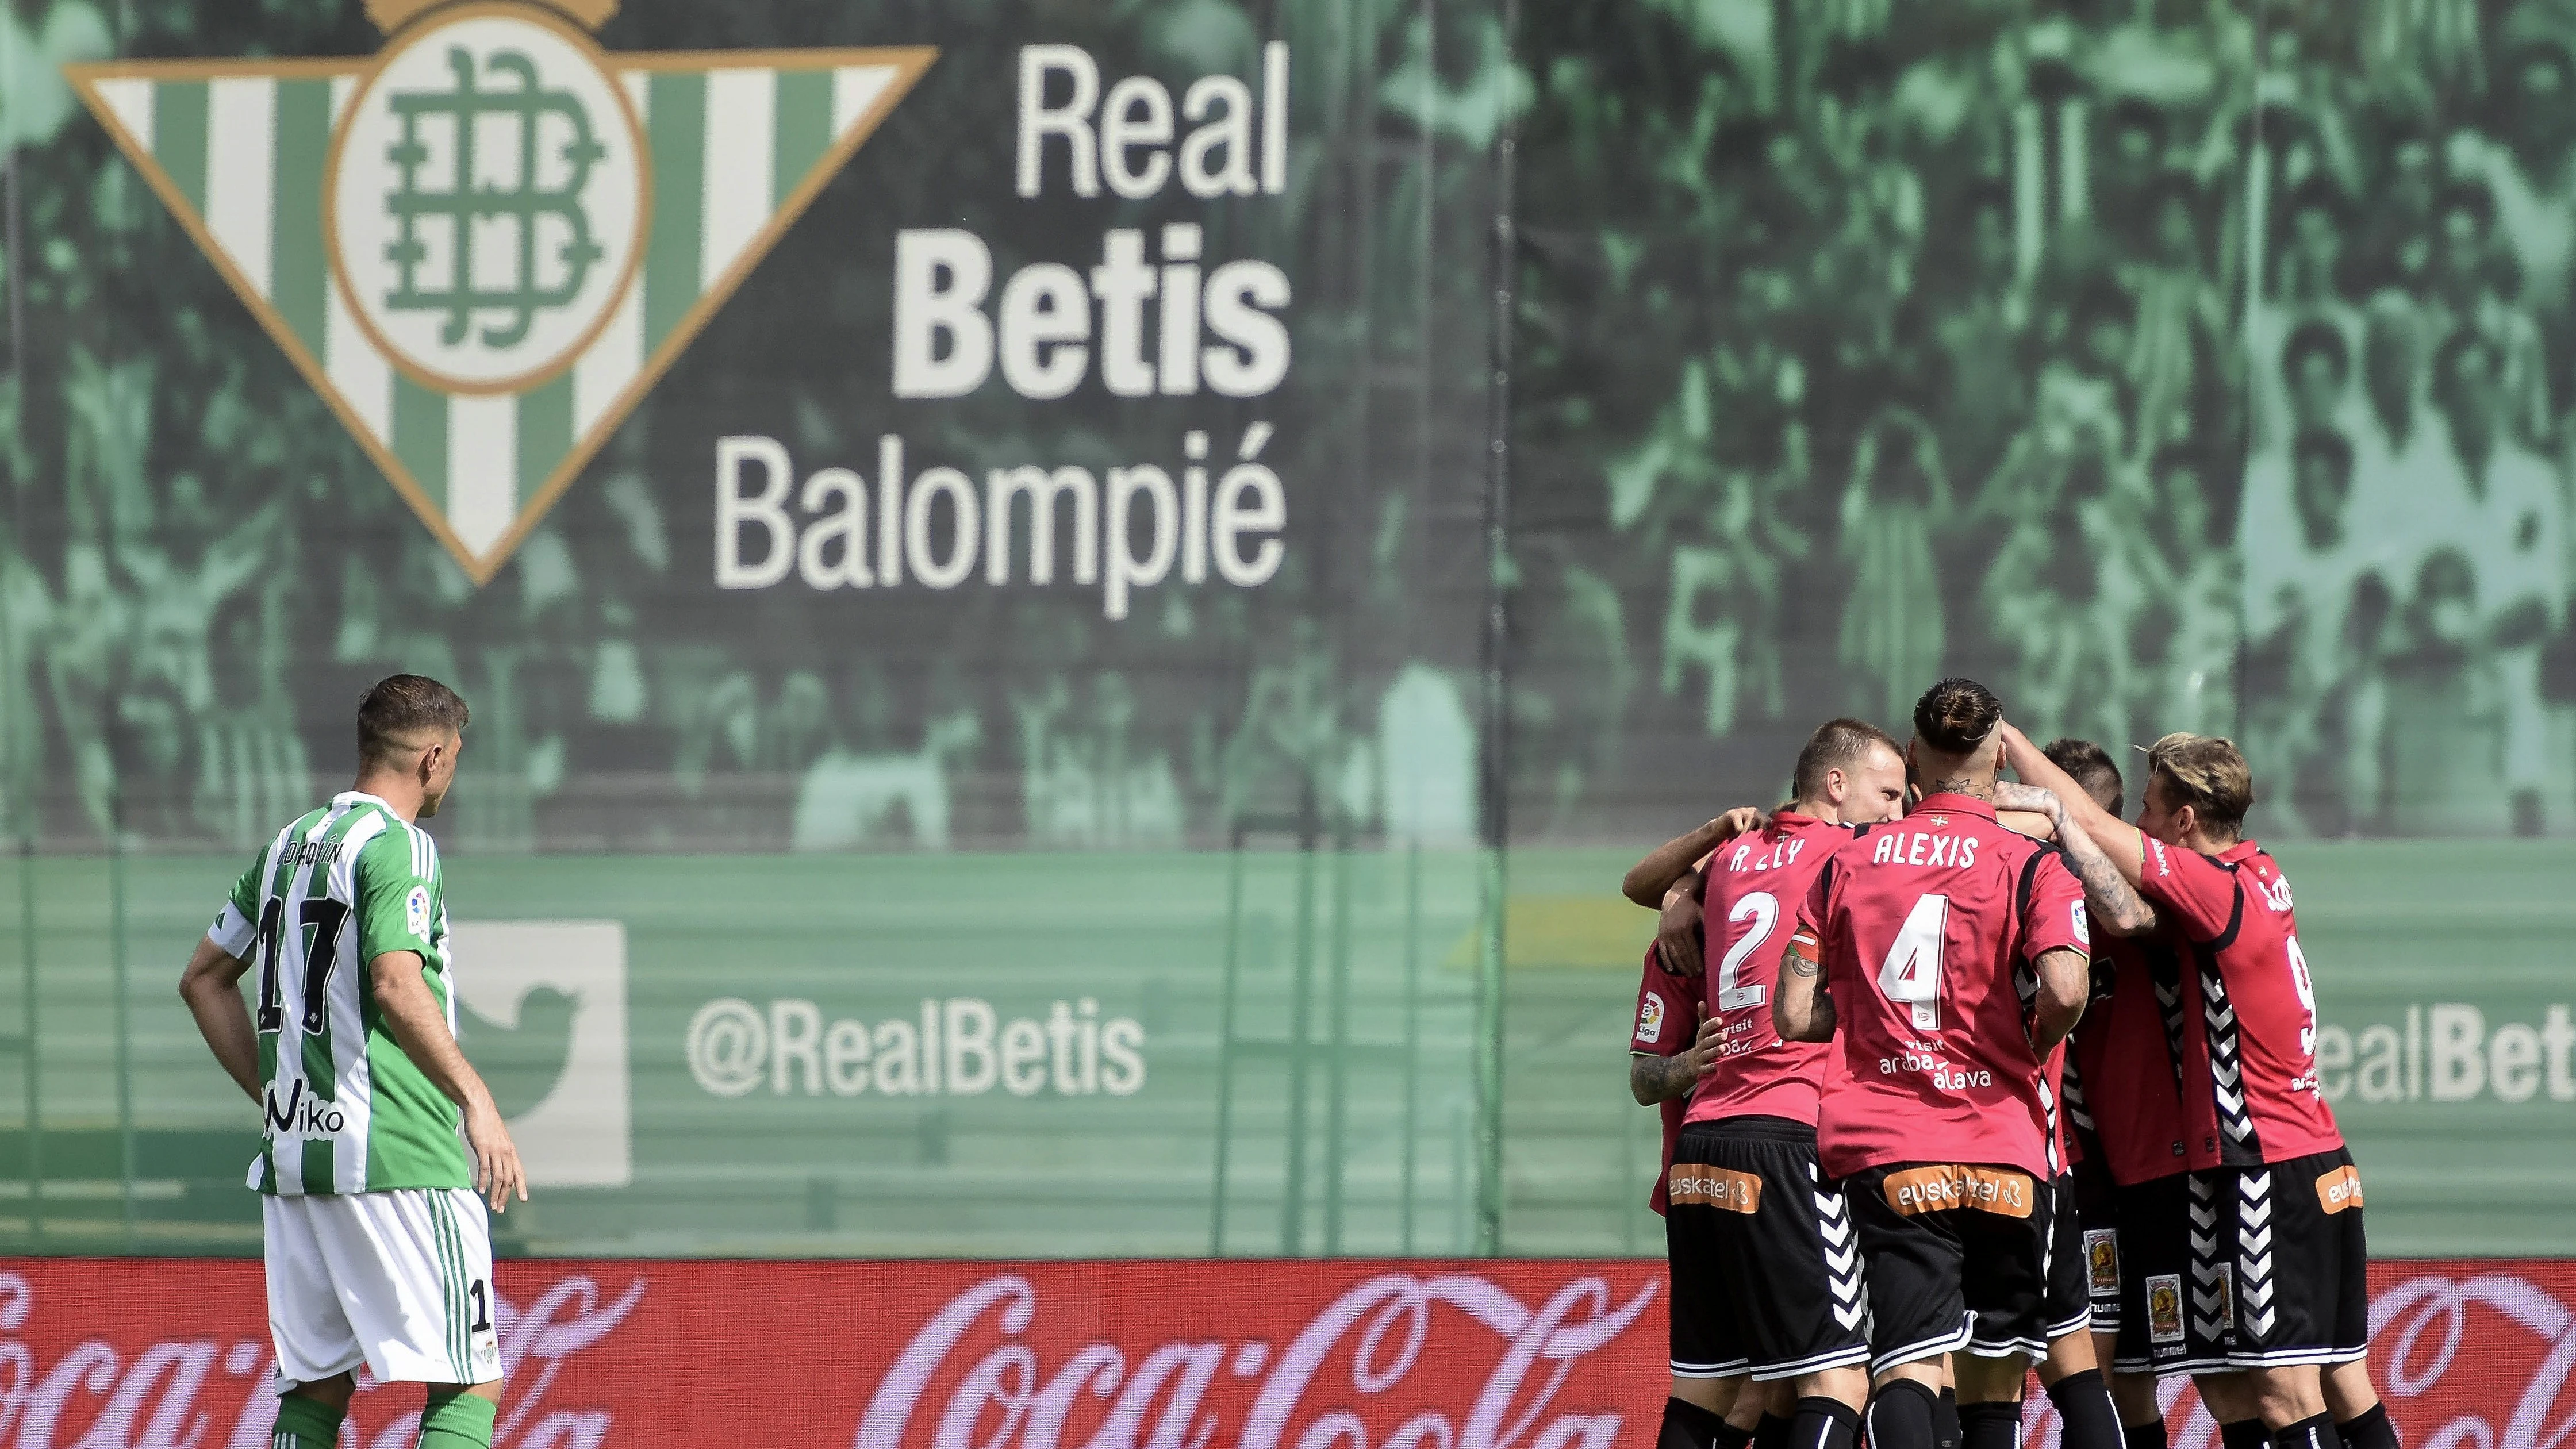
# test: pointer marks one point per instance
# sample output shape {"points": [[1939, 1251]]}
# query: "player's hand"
{"points": [[1678, 941], [2036, 813], [1742, 820], [2017, 748], [497, 1173], [1702, 1055]]}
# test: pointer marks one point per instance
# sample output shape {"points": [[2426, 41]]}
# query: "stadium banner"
{"points": [[927, 457], [1074, 427], [1466, 1354], [1021, 1054], [2162, 368], [834, 427]]}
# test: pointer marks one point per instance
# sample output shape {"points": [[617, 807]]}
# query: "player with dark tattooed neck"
{"points": [[1909, 956]]}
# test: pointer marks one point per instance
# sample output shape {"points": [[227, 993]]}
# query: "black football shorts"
{"points": [[2245, 1267], [2095, 1236], [1957, 1257], [2070, 1298], [1766, 1267]]}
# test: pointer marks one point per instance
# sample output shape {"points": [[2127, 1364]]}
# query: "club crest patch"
{"points": [[2102, 1260], [2164, 1308]]}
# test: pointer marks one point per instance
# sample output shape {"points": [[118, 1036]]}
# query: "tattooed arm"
{"points": [[1660, 1079], [2065, 979], [2114, 902], [2114, 899], [1804, 1009]]}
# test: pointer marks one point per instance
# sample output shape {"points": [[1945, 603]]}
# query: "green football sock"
{"points": [[455, 1419], [304, 1423]]}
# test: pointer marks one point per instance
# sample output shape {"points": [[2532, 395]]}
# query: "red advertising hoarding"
{"points": [[1509, 1354]]}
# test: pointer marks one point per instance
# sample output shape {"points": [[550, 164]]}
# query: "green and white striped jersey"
{"points": [[347, 1110]]}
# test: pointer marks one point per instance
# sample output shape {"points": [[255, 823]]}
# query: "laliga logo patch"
{"points": [[2083, 924], [469, 243], [1650, 1020], [416, 912]]}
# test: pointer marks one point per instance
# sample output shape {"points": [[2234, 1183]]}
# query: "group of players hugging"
{"points": [[1921, 1131]]}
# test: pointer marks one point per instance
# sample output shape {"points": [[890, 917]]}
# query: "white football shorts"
{"points": [[400, 1281]]}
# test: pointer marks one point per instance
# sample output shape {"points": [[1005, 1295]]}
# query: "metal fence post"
{"points": [[117, 966], [27, 1045], [1495, 745], [1412, 1039], [1337, 1111], [1292, 1221], [1225, 1043]]}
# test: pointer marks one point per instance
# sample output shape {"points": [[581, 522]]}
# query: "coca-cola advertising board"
{"points": [[1486, 1354]]}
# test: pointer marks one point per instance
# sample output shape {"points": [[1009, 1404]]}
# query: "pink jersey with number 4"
{"points": [[1755, 885], [1926, 928]]}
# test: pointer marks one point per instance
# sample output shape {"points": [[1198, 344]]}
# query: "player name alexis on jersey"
{"points": [[1916, 848]]}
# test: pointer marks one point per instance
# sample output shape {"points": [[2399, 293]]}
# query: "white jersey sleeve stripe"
{"points": [[348, 1023]]}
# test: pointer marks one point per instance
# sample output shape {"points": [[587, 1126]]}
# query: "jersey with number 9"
{"points": [[2249, 1011], [1755, 884], [346, 1110], [1926, 928]]}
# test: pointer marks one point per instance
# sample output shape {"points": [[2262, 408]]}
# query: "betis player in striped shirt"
{"points": [[378, 1249]]}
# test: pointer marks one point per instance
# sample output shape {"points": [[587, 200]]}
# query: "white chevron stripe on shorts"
{"points": [[2208, 1295], [1842, 1257], [2254, 1251]]}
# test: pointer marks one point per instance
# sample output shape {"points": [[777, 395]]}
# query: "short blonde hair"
{"points": [[2208, 774]]}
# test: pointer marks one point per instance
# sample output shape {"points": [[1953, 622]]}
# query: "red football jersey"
{"points": [[1925, 927], [2123, 1098], [2249, 1018], [1667, 1019], [1755, 886]]}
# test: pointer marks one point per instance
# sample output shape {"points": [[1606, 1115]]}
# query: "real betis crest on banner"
{"points": [[484, 244]]}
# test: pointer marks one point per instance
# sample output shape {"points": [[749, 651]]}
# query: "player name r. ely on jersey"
{"points": [[1754, 855]]}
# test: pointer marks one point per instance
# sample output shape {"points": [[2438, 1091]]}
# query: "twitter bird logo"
{"points": [[541, 1012], [521, 1064]]}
